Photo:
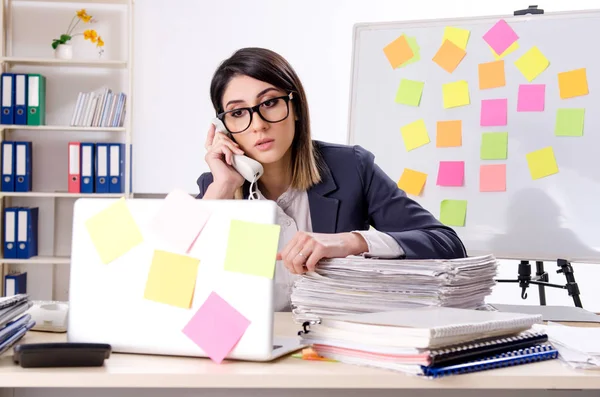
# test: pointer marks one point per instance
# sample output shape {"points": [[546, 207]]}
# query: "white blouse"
{"points": [[293, 215]]}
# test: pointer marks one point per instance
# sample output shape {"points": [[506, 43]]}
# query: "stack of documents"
{"points": [[578, 347], [14, 321], [431, 341], [359, 285]]}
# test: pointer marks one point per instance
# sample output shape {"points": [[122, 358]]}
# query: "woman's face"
{"points": [[266, 142]]}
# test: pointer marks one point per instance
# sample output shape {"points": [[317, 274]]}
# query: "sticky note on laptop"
{"points": [[179, 221], [172, 279], [113, 231], [252, 248], [216, 327]]}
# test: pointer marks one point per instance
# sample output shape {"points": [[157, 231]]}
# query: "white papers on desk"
{"points": [[578, 347], [362, 285]]}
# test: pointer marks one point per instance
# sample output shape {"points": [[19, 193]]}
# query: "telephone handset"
{"points": [[249, 168]]}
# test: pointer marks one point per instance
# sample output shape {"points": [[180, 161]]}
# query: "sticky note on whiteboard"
{"points": [[500, 36], [453, 212], [456, 94], [451, 173], [542, 163]]}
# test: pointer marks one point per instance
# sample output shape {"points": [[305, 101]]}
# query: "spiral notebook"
{"points": [[517, 357], [427, 327]]}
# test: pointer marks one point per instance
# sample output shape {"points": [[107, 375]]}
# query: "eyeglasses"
{"points": [[272, 110]]}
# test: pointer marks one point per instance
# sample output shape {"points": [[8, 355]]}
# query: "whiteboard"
{"points": [[543, 219]]}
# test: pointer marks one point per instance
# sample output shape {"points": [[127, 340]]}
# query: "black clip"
{"points": [[530, 10], [305, 327]]}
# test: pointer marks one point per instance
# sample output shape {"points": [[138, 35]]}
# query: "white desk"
{"points": [[142, 371]]}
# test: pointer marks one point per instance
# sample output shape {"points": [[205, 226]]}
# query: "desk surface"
{"points": [[141, 371]]}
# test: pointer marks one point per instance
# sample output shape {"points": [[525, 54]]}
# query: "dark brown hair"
{"points": [[270, 67]]}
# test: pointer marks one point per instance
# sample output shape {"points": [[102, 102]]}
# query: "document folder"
{"points": [[8, 166], [20, 110], [8, 98], [102, 160], [23, 165], [36, 104], [117, 167]]}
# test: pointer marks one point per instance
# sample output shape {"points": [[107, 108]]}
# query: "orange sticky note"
{"points": [[412, 181], [492, 178], [449, 56], [491, 75], [398, 52], [573, 83], [449, 133]]}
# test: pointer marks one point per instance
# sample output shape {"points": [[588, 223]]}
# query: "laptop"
{"points": [[106, 300]]}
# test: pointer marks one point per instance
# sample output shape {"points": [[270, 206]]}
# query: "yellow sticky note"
{"points": [[414, 135], [460, 37], [412, 182], [532, 63], [398, 52], [456, 94], [513, 47], [542, 163], [172, 279], [573, 83], [113, 231], [252, 248]]}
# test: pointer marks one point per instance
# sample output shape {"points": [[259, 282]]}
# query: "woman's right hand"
{"points": [[219, 157]]}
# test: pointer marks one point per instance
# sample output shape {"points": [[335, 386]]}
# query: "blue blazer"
{"points": [[355, 193]]}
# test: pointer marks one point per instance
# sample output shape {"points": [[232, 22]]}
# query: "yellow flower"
{"points": [[82, 14], [100, 42], [90, 35]]}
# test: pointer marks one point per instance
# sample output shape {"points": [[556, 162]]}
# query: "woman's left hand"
{"points": [[303, 251]]}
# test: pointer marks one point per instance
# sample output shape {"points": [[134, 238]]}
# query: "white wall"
{"points": [[50, 160]]}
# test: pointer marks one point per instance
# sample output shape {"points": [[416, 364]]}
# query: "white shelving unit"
{"points": [[10, 63]]}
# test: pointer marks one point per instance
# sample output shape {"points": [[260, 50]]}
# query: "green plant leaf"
{"points": [[64, 38], [55, 43]]}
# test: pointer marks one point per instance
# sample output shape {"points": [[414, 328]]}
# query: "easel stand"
{"points": [[541, 280]]}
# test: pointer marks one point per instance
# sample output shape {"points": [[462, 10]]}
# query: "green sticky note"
{"points": [[409, 92], [412, 43], [494, 145], [453, 212], [569, 122], [252, 248]]}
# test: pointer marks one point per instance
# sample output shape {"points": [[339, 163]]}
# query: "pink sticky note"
{"points": [[492, 178], [532, 98], [500, 36], [493, 112], [451, 173], [216, 327], [179, 221]]}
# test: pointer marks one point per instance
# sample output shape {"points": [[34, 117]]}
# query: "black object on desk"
{"points": [[530, 10], [65, 354]]}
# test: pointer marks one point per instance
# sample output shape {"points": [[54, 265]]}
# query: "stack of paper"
{"points": [[359, 285], [14, 320], [431, 341], [578, 347]]}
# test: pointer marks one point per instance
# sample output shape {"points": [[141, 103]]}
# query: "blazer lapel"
{"points": [[323, 209]]}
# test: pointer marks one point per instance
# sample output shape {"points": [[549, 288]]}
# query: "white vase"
{"points": [[64, 51]]}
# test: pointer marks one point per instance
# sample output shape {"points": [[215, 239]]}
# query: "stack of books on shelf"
{"points": [[99, 109], [17, 166], [361, 285], [431, 341], [20, 232], [23, 99], [96, 167], [14, 320]]}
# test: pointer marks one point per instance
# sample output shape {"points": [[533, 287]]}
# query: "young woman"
{"points": [[328, 195]]}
